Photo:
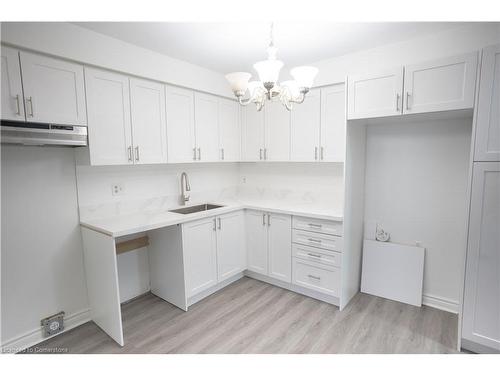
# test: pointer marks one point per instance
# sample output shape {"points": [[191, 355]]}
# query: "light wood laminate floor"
{"points": [[250, 316]]}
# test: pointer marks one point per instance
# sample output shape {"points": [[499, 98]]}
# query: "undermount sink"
{"points": [[197, 208]]}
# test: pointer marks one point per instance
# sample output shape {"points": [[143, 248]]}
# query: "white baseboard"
{"points": [[440, 303], [198, 297], [35, 335]]}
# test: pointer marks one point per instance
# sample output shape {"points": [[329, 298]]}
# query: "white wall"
{"points": [[42, 258], [73, 42], [416, 181]]}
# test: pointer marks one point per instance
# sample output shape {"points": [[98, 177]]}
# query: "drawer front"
{"points": [[313, 276], [321, 241], [318, 226], [312, 254]]}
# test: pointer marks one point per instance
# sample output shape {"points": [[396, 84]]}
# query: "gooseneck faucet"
{"points": [[184, 187]]}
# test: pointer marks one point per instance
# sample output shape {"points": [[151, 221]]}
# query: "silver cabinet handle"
{"points": [[137, 153], [314, 277], [222, 154], [268, 220], [263, 219], [314, 255], [408, 100], [314, 240], [214, 228], [321, 152], [219, 223], [130, 153], [194, 153], [18, 112], [265, 153], [199, 153], [397, 101], [315, 225], [260, 154], [30, 100], [316, 153]]}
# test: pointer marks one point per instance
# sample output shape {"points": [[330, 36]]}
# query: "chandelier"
{"points": [[267, 87]]}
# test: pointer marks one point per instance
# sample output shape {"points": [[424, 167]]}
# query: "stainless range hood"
{"points": [[36, 134]]}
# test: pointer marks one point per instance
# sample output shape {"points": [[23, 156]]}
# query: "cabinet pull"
{"points": [[268, 220], [30, 100], [408, 100], [397, 102], [265, 153], [314, 277], [321, 152], [222, 154], [316, 153], [314, 240], [18, 106], [130, 158], [314, 255], [215, 225], [199, 153], [194, 153], [219, 223], [315, 225], [137, 153], [260, 154], [263, 219]]}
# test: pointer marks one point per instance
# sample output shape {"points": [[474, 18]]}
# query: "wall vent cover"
{"points": [[53, 324]]}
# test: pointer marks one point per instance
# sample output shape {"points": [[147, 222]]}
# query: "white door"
{"points": [[305, 128], [256, 236], [109, 126], [333, 124], [149, 125], [277, 132], [200, 252], [206, 127], [229, 130], [488, 107], [376, 94], [252, 134], [12, 104], [280, 247], [440, 85], [54, 90], [231, 246], [180, 125], [481, 311]]}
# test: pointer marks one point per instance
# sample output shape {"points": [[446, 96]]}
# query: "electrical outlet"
{"points": [[117, 189], [243, 180]]}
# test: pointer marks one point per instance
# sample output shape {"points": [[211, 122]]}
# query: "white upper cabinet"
{"points": [[180, 125], [440, 85], [305, 128], [53, 90], [375, 94], [206, 127], [280, 246], [487, 146], [231, 246], [333, 124], [481, 309], [12, 104], [200, 255], [277, 132], [229, 130], [149, 126], [252, 134], [256, 236], [108, 106]]}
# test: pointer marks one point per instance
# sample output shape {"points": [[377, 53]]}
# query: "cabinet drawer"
{"points": [[314, 276], [316, 225], [312, 254], [322, 241]]}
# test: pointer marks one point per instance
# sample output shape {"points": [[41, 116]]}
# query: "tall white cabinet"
{"points": [[12, 104]]}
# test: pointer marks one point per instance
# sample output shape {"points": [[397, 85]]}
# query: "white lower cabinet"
{"points": [[231, 246], [256, 235], [316, 276]]}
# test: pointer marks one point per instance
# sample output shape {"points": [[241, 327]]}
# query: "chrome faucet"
{"points": [[184, 187]]}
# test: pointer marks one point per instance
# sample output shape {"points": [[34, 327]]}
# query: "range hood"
{"points": [[37, 134]]}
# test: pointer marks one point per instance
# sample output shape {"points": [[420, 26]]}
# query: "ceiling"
{"points": [[228, 47]]}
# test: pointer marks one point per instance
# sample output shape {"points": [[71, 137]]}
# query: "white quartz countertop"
{"points": [[123, 225]]}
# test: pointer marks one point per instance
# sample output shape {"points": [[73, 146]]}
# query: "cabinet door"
{"points": [[200, 252], [180, 125], [333, 123], [252, 136], [305, 128], [280, 247], [206, 127], [481, 311], [229, 130], [53, 89], [375, 95], [488, 107], [256, 235], [231, 246], [149, 125], [277, 132], [108, 106], [12, 104], [440, 85]]}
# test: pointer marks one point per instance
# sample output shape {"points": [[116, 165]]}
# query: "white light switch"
{"points": [[117, 189]]}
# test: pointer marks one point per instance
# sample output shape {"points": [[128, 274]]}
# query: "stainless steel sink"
{"points": [[197, 208]]}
